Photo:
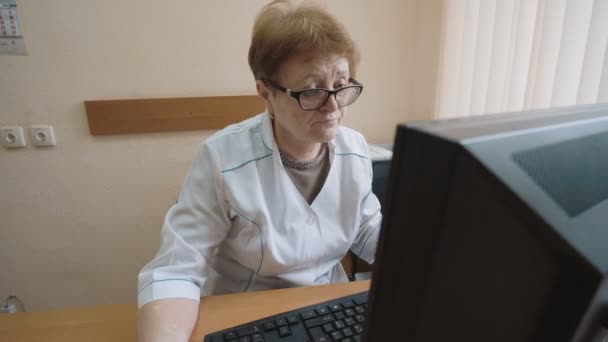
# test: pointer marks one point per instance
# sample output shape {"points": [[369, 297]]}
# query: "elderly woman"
{"points": [[276, 200]]}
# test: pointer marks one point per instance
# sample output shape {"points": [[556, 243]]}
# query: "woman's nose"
{"points": [[331, 104]]}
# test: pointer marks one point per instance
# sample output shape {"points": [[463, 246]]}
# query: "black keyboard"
{"points": [[340, 319]]}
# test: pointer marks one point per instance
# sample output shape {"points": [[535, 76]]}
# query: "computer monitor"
{"points": [[495, 229]]}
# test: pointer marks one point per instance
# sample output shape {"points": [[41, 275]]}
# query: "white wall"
{"points": [[79, 220]]}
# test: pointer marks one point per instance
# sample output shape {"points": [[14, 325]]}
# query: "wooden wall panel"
{"points": [[169, 114]]}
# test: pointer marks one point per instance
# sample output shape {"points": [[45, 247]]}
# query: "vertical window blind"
{"points": [[511, 55]]}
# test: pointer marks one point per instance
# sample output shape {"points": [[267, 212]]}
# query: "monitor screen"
{"points": [[495, 228]]}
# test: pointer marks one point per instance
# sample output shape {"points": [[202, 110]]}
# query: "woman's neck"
{"points": [[301, 152], [296, 149]]}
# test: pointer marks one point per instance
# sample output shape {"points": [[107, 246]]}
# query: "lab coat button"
{"points": [[310, 220]]}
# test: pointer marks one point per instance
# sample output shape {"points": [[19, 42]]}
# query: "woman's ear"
{"points": [[265, 93], [262, 89]]}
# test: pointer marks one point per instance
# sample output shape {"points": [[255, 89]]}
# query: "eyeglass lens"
{"points": [[316, 98]]}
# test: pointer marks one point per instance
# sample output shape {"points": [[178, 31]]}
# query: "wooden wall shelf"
{"points": [[169, 114]]}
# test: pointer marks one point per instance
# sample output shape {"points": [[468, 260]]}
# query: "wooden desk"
{"points": [[118, 322]]}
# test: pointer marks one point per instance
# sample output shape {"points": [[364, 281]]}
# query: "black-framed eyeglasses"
{"points": [[315, 98]]}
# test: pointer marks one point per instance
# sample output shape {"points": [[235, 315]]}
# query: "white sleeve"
{"points": [[367, 237], [366, 240], [193, 227]]}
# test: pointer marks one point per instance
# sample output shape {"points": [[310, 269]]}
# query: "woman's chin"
{"points": [[328, 133]]}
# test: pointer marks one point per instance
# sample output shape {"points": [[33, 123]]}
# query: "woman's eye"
{"points": [[312, 93]]}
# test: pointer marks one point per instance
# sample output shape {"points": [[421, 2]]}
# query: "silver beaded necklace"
{"points": [[302, 165]]}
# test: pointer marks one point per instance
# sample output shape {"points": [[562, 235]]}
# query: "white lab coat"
{"points": [[241, 225]]}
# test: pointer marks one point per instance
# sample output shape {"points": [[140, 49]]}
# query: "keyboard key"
{"points": [[322, 310], [357, 338], [358, 329], [231, 335], [347, 305], [340, 315], [245, 339], [318, 321], [350, 312], [308, 315], [318, 335], [257, 338], [291, 320], [347, 332], [360, 318], [328, 328], [336, 335], [284, 331], [248, 330], [350, 321], [359, 309], [347, 340], [360, 300], [281, 322], [335, 307], [339, 325], [268, 326]]}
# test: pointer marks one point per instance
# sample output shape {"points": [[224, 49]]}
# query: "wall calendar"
{"points": [[11, 37]]}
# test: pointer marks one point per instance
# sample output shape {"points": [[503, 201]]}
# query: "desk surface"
{"points": [[118, 322]]}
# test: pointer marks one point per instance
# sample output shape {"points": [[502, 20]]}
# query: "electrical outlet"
{"points": [[11, 136], [42, 136]]}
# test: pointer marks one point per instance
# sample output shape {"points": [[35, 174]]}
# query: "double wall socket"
{"points": [[12, 136]]}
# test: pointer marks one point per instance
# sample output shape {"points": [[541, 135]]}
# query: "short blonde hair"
{"points": [[283, 29]]}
